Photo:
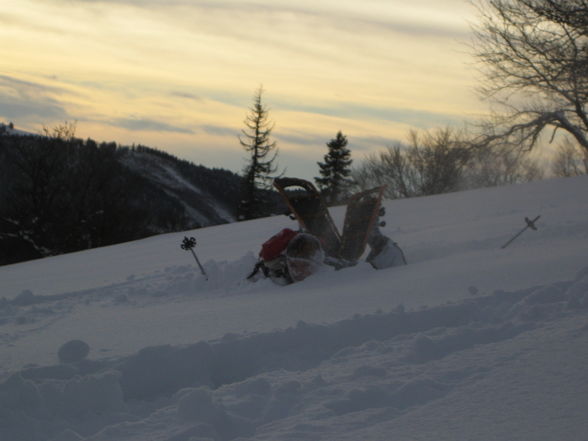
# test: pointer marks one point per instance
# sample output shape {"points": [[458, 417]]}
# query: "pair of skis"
{"points": [[312, 214]]}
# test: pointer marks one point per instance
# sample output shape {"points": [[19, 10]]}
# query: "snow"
{"points": [[175, 185], [467, 342], [172, 178], [73, 351]]}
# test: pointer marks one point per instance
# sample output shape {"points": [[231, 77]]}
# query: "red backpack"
{"points": [[274, 246]]}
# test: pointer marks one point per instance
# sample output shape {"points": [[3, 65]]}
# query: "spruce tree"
{"points": [[257, 174], [335, 170]]}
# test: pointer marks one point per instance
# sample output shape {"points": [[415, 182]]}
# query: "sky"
{"points": [[180, 75]]}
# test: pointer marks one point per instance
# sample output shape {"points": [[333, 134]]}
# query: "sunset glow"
{"points": [[179, 75]]}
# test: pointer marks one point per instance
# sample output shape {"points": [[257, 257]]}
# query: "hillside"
{"points": [[208, 196], [61, 196], [469, 341]]}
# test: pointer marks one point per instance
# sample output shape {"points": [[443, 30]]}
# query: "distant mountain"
{"points": [[59, 196], [208, 196]]}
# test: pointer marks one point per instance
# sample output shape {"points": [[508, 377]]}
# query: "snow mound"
{"points": [[73, 351], [241, 386], [343, 355]]}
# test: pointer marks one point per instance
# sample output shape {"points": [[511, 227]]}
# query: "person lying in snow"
{"points": [[289, 256]]}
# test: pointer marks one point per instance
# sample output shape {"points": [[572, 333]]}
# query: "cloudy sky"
{"points": [[179, 75]]}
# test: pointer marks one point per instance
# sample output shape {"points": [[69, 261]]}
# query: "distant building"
{"points": [[5, 128]]}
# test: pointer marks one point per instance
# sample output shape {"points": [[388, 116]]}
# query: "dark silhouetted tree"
{"points": [[570, 160], [441, 161], [534, 55], [334, 182], [261, 166]]}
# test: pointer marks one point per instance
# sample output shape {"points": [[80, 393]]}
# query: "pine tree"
{"points": [[257, 174], [335, 170]]}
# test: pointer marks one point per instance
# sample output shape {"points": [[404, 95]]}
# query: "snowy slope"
{"points": [[467, 342], [201, 206]]}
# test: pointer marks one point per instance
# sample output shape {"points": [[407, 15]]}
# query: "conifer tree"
{"points": [[335, 170], [257, 174]]}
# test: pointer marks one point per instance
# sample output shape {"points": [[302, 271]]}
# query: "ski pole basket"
{"points": [[188, 244]]}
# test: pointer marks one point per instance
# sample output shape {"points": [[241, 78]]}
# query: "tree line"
{"points": [[60, 194], [533, 55]]}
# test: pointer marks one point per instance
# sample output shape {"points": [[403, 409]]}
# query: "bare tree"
{"points": [[570, 160], [438, 158], [66, 131], [441, 161], [500, 165], [534, 55], [431, 163], [389, 167]]}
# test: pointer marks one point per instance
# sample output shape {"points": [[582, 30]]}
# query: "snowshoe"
{"points": [[312, 214], [360, 219], [360, 226]]}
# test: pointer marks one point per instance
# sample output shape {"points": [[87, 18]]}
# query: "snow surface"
{"points": [[467, 342]]}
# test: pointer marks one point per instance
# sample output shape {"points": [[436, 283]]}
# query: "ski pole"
{"points": [[530, 224], [188, 244]]}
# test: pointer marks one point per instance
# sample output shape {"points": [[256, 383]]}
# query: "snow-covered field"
{"points": [[467, 342]]}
